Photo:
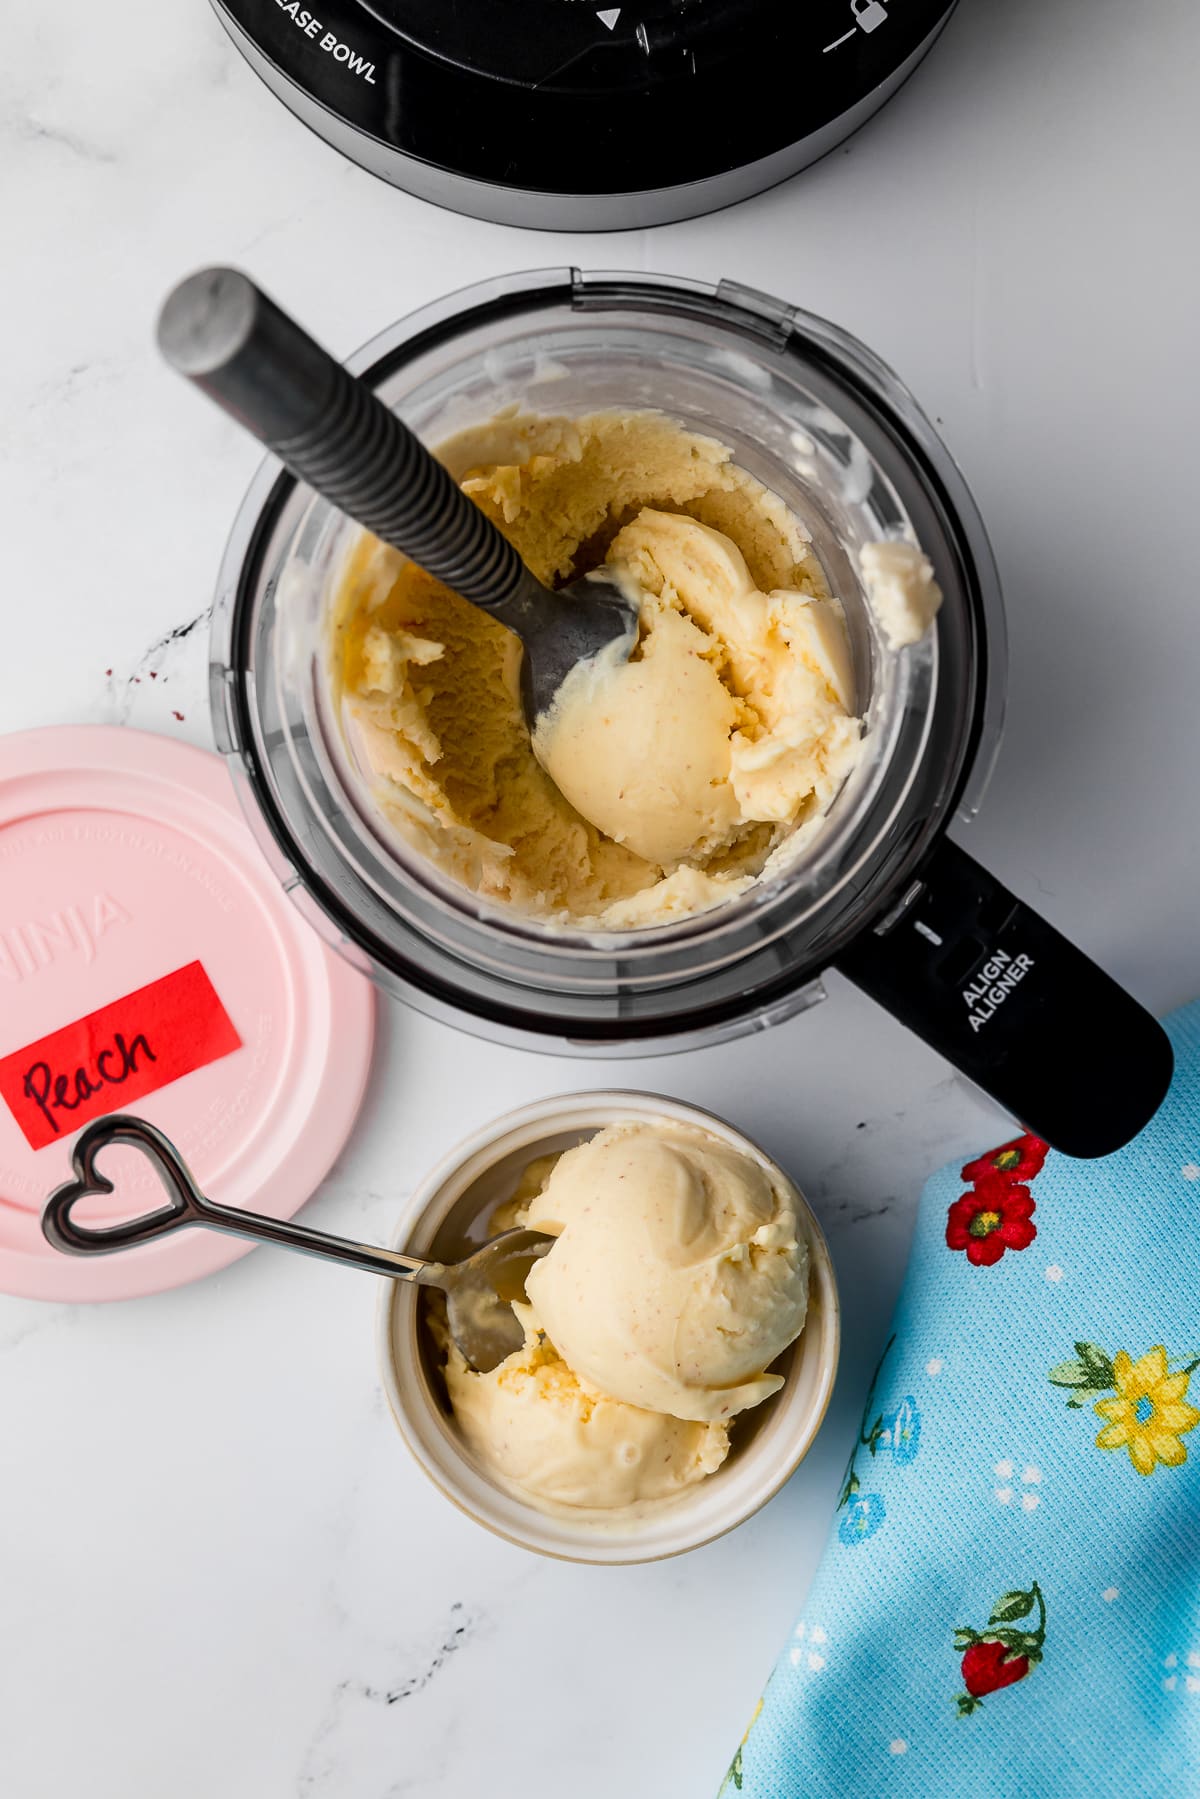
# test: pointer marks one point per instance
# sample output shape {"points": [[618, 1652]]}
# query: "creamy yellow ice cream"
{"points": [[673, 779], [738, 708], [680, 1272], [533, 1424], [900, 586]]}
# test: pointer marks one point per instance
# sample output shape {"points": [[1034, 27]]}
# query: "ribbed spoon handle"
{"points": [[332, 431]]}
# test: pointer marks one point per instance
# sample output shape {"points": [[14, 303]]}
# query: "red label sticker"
{"points": [[118, 1054]]}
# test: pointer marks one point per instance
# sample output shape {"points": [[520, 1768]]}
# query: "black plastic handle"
{"points": [[221, 331], [1012, 1004]]}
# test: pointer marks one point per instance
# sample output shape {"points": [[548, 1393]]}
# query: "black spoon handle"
{"points": [[332, 431]]}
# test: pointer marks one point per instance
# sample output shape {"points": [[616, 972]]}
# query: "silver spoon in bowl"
{"points": [[334, 432], [479, 1290]]}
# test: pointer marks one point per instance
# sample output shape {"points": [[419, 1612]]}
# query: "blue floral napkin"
{"points": [[1009, 1602]]}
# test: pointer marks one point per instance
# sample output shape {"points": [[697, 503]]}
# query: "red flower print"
{"points": [[988, 1666], [1005, 1650], [996, 1216], [992, 1219], [1019, 1160]]}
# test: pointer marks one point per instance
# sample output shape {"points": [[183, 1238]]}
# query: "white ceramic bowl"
{"points": [[768, 1442]]}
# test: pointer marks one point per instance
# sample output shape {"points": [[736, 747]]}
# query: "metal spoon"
{"points": [[479, 1290], [333, 432]]}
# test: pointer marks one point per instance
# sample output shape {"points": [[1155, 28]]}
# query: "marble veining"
{"points": [[343, 1712], [175, 661], [212, 1541]]}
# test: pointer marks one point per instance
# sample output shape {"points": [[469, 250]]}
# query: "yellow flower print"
{"points": [[1148, 1415]]}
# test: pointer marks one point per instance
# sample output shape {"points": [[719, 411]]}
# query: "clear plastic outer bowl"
{"points": [[769, 1442], [823, 423]]}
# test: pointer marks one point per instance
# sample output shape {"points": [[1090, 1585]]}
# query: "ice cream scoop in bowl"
{"points": [[543, 1451], [479, 1289], [333, 431]]}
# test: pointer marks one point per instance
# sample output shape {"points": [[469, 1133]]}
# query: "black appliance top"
{"points": [[575, 96]]}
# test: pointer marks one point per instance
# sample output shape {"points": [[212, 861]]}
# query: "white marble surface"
{"points": [[219, 1572]]}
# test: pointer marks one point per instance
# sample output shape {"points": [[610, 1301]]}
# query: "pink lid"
{"points": [[151, 963]]}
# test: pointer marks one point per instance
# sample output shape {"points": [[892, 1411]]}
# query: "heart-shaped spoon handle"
{"points": [[186, 1205], [332, 430]]}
